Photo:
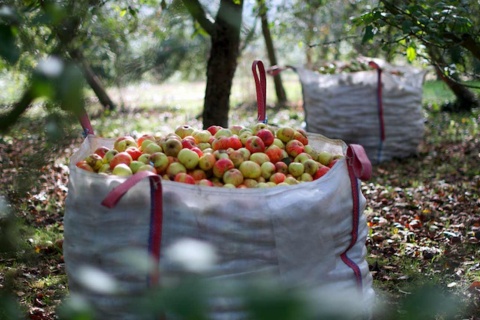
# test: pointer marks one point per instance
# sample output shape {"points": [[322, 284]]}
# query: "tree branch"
{"points": [[10, 118], [197, 12]]}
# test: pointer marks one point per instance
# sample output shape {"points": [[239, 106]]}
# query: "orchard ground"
{"points": [[424, 211]]}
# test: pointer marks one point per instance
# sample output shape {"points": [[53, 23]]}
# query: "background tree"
{"points": [[447, 32], [224, 33], [272, 57]]}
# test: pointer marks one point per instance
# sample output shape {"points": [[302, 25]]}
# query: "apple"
{"points": [[237, 157], [105, 168], [204, 146], [324, 157], [220, 154], [223, 132], [332, 163], [263, 185], [198, 174], [221, 143], [188, 158], [135, 165], [174, 168], [172, 146], [296, 169], [274, 153], [202, 136], [122, 143], [121, 157], [322, 170], [84, 165], [279, 143], [145, 137], [145, 158], [302, 157], [244, 136], [233, 176], [198, 151], [213, 129], [291, 180], [95, 161], [184, 130], [122, 170], [305, 177], [281, 166], [250, 169], [245, 152], [184, 178], [311, 166], [234, 142], [259, 157], [206, 161], [311, 151], [267, 169], [301, 136], [159, 161], [255, 144], [188, 143], [101, 151], [266, 135], [250, 183], [285, 133], [109, 155], [294, 148], [221, 166], [147, 167], [259, 126], [205, 182], [236, 128], [277, 177], [150, 147], [134, 152]]}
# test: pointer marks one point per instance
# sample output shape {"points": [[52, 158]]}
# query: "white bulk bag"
{"points": [[345, 106], [311, 235]]}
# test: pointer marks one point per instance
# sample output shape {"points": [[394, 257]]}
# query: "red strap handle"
{"points": [[379, 98], [261, 87], [358, 160], [86, 125], [156, 212]]}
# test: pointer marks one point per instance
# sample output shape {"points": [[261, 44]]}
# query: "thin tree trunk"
{"points": [[93, 81], [279, 89]]}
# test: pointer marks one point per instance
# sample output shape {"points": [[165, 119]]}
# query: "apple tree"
{"points": [[224, 32], [446, 33]]}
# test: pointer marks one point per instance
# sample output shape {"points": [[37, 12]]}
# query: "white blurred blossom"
{"points": [[193, 255]]}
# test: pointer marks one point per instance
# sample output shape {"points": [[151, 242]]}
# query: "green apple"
{"points": [[188, 158]]}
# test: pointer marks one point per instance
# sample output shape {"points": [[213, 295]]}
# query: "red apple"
{"points": [[134, 152], [221, 166], [94, 161], [282, 167], [277, 177], [267, 136], [221, 143], [322, 170], [234, 142], [206, 161], [213, 129], [294, 148], [255, 144], [184, 178], [274, 153], [301, 136], [101, 151], [121, 157], [84, 165]]}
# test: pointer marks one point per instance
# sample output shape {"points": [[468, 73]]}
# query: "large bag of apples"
{"points": [[273, 202]]}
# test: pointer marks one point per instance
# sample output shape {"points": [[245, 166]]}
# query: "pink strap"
{"points": [[359, 167], [379, 98], [156, 212], [358, 160], [261, 87], [86, 125]]}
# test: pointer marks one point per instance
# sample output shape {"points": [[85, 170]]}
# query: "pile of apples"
{"points": [[233, 157]]}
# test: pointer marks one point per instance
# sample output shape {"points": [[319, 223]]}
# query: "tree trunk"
{"points": [[222, 63], [465, 99], [279, 89], [93, 81]]}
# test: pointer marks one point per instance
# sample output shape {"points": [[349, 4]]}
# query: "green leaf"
{"points": [[411, 54], [368, 35], [8, 50]]}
